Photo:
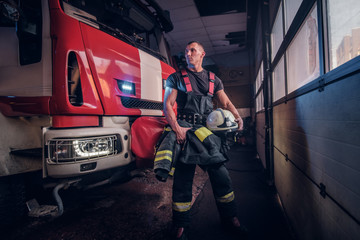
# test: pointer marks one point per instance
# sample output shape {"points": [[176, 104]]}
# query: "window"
{"points": [[260, 102], [260, 97], [259, 78], [126, 20], [277, 34], [343, 30], [29, 31], [279, 80], [291, 8], [149, 40], [303, 54]]}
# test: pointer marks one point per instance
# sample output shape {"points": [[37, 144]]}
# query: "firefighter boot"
{"points": [[181, 234], [233, 225]]}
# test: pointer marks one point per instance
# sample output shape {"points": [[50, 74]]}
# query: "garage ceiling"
{"points": [[220, 25]]}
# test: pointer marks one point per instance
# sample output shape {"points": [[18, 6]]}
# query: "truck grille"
{"points": [[140, 104]]}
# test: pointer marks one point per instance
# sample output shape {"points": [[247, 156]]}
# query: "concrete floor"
{"points": [[141, 209], [258, 205]]}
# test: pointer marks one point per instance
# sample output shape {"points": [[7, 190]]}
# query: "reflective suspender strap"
{"points": [[211, 83], [185, 76]]}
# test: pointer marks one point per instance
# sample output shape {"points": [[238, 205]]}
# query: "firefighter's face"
{"points": [[194, 54]]}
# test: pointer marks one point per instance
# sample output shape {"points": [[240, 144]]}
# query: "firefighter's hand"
{"points": [[181, 135], [240, 123]]}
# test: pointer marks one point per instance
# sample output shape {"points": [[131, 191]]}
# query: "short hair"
{"points": [[199, 43]]}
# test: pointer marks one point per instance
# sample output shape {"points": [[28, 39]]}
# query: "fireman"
{"points": [[193, 89]]}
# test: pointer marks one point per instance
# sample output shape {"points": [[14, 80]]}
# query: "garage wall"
{"points": [[259, 77], [260, 137], [315, 124], [317, 143]]}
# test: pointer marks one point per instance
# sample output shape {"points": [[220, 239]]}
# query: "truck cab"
{"points": [[74, 75]]}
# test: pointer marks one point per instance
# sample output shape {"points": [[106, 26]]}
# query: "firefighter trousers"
{"points": [[182, 192]]}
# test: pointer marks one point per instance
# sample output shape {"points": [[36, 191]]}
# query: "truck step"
{"points": [[37, 211]]}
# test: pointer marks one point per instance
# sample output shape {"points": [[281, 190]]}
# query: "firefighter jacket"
{"points": [[202, 147]]}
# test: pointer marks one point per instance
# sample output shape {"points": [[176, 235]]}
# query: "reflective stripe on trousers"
{"points": [[163, 155], [181, 206], [226, 198], [182, 192]]}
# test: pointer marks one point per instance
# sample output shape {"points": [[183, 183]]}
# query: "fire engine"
{"points": [[74, 75]]}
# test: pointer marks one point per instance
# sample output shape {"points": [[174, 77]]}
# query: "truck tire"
{"points": [[12, 200]]}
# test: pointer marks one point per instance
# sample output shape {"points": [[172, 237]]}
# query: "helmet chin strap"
{"points": [[226, 119]]}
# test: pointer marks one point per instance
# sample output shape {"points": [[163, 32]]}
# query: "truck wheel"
{"points": [[12, 200]]}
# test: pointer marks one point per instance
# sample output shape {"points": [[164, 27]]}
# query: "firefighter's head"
{"points": [[194, 54], [221, 120]]}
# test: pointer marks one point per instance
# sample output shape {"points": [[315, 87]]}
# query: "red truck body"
{"points": [[79, 73]]}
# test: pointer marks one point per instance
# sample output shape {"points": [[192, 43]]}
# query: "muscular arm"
{"points": [[169, 101], [227, 104]]}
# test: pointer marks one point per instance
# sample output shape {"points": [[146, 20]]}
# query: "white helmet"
{"points": [[221, 120]]}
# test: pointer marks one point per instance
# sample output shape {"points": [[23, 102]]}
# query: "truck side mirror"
{"points": [[10, 10]]}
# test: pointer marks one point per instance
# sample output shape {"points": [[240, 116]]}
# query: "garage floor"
{"points": [[258, 205], [141, 209]]}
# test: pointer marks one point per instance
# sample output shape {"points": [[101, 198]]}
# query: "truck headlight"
{"points": [[72, 150]]}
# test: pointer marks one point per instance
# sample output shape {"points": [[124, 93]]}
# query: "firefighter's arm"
{"points": [[227, 104], [169, 101]]}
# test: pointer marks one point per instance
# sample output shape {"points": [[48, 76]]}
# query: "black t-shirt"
{"points": [[199, 83]]}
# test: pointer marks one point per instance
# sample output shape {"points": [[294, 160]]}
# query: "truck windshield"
{"points": [[127, 20]]}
